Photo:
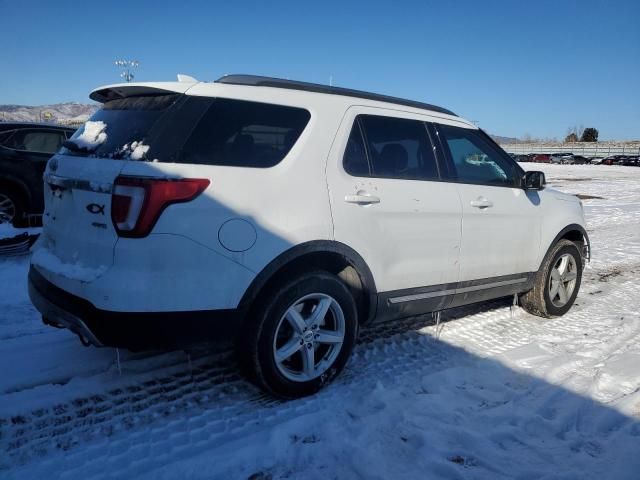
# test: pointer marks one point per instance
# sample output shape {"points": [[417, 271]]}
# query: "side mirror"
{"points": [[533, 181]]}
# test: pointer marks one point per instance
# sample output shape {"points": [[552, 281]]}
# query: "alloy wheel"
{"points": [[562, 280], [309, 337], [7, 208]]}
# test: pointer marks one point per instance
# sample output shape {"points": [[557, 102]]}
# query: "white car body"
{"points": [[424, 246]]}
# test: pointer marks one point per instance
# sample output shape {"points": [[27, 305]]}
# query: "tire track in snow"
{"points": [[216, 386], [212, 404]]}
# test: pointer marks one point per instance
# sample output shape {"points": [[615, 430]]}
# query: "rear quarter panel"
{"points": [[286, 204]]}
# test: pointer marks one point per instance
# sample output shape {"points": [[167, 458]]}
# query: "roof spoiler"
{"points": [[124, 90]]}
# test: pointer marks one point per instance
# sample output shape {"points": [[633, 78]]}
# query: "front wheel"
{"points": [[557, 282], [300, 335], [11, 210]]}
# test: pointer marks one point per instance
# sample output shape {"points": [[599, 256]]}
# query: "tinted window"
{"points": [[475, 159], [244, 134], [125, 121], [355, 156], [35, 141], [398, 148], [4, 136]]}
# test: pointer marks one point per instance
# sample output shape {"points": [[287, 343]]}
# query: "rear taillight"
{"points": [[137, 202]]}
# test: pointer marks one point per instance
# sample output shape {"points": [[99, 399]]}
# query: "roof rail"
{"points": [[259, 81]]}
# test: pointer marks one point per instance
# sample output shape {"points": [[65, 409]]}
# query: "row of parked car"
{"points": [[565, 158]]}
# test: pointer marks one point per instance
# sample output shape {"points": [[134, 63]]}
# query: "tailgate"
{"points": [[78, 237]]}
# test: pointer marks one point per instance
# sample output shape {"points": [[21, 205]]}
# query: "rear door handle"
{"points": [[362, 198], [481, 203]]}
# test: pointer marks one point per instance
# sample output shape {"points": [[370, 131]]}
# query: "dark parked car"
{"points": [[523, 158], [580, 160], [24, 151], [613, 160], [630, 161]]}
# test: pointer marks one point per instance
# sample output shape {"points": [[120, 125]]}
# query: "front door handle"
{"points": [[361, 198], [481, 203]]}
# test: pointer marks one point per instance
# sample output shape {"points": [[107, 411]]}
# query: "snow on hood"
{"points": [[92, 136], [42, 257]]}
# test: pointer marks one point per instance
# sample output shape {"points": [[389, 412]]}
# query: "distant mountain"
{"points": [[65, 113]]}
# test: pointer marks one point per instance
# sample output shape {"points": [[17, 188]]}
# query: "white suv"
{"points": [[283, 216]]}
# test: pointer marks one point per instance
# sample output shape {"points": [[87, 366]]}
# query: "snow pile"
{"points": [[93, 135], [134, 151], [7, 230], [44, 258], [104, 187]]}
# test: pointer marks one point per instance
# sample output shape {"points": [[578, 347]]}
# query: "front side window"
{"points": [[5, 136], [244, 134], [475, 160], [396, 148], [36, 141]]}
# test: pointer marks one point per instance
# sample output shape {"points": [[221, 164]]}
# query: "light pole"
{"points": [[127, 66]]}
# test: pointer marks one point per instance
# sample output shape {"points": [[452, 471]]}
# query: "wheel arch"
{"points": [[16, 185], [331, 256], [575, 233]]}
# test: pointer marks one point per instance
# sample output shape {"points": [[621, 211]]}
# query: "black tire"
{"points": [[257, 342], [537, 301], [17, 216]]}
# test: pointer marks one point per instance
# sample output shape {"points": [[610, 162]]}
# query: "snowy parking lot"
{"points": [[491, 392]]}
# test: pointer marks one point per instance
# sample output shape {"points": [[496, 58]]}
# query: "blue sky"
{"points": [[515, 67]]}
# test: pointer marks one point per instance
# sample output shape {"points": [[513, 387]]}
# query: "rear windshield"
{"points": [[187, 129], [117, 124]]}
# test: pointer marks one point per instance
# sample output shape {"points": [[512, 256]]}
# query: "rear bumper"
{"points": [[131, 330]]}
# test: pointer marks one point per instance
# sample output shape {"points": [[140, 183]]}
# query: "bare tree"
{"points": [[571, 137]]}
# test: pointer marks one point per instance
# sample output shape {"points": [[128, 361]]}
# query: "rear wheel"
{"points": [[300, 335], [557, 282]]}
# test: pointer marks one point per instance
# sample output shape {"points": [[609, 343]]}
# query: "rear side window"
{"points": [[244, 134], [395, 147], [474, 158]]}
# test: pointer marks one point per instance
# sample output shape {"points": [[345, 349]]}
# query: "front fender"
{"points": [[570, 231]]}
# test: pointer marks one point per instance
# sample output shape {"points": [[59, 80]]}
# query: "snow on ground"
{"points": [[488, 394]]}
